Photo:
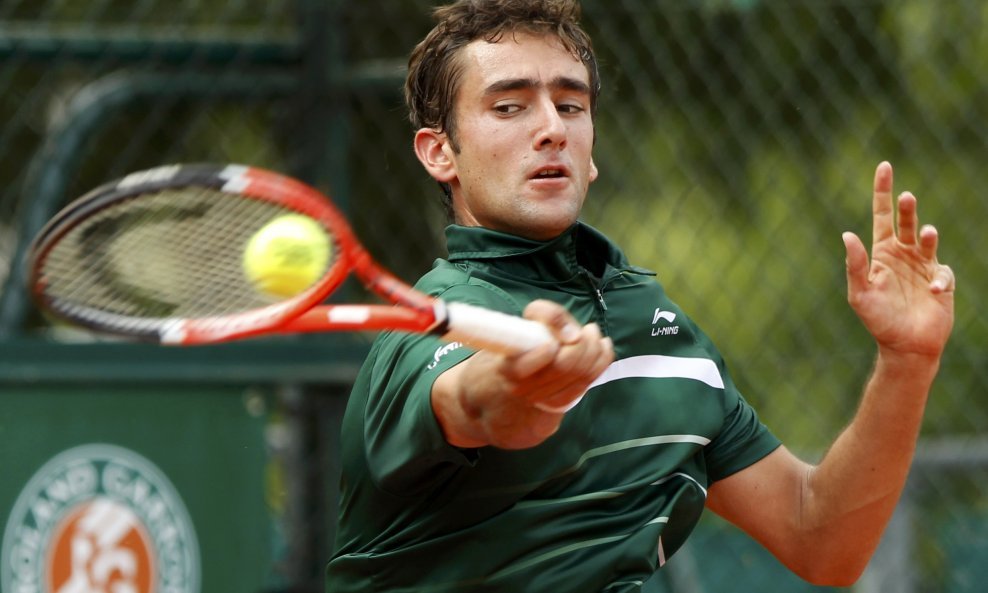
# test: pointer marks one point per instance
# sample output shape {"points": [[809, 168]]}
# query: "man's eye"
{"points": [[507, 109], [570, 108]]}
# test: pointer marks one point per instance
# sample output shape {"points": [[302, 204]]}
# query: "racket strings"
{"points": [[175, 253]]}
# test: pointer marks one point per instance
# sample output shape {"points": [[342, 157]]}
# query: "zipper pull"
{"points": [[596, 288]]}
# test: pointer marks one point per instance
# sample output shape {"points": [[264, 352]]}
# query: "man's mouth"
{"points": [[549, 174]]}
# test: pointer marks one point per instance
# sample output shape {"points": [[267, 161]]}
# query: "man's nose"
{"points": [[551, 128]]}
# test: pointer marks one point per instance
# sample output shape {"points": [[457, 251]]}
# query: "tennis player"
{"points": [[584, 465]]}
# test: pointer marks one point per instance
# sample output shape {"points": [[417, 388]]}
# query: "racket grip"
{"points": [[492, 330]]}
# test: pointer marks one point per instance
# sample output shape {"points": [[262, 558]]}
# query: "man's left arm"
{"points": [[825, 521]]}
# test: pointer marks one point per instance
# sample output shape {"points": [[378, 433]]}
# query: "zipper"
{"points": [[598, 289]]}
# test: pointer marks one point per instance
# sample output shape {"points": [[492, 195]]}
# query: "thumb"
{"points": [[857, 263]]}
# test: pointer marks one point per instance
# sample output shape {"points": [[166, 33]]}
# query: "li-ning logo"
{"points": [[99, 519], [441, 352], [664, 330]]}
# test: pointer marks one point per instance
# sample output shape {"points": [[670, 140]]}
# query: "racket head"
{"points": [[158, 255]]}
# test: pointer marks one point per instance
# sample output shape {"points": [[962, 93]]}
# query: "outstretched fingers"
{"points": [[881, 207], [908, 219], [883, 210], [925, 238], [943, 276], [929, 238], [943, 280]]}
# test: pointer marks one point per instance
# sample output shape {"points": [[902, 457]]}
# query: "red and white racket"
{"points": [[158, 256]]}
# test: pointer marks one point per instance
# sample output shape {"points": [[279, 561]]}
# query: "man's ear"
{"points": [[434, 152]]}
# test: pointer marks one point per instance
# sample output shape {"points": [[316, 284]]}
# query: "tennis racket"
{"points": [[159, 256]]}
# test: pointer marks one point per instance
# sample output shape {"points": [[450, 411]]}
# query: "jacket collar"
{"points": [[580, 247]]}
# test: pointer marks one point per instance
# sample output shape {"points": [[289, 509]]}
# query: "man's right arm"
{"points": [[516, 402]]}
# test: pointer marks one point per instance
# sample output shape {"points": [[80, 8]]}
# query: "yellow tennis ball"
{"points": [[287, 255]]}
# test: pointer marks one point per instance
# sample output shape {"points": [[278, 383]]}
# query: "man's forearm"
{"points": [[850, 496]]}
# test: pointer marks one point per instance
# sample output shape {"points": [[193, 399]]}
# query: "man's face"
{"points": [[525, 135]]}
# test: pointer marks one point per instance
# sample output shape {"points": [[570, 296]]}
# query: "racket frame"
{"points": [[410, 310]]}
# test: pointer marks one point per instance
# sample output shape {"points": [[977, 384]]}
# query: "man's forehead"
{"points": [[520, 56]]}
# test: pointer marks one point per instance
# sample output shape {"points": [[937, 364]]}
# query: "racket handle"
{"points": [[492, 330]]}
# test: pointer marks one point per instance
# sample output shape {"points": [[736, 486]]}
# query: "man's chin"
{"points": [[546, 228]]}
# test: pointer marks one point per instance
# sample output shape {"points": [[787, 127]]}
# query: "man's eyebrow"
{"points": [[564, 83]]}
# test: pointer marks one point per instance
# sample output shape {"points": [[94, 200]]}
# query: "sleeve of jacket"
{"points": [[405, 449]]}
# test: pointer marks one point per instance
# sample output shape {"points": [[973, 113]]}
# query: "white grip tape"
{"points": [[491, 330]]}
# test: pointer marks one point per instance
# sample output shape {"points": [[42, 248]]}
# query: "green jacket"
{"points": [[601, 504]]}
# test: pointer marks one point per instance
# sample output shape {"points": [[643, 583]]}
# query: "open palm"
{"points": [[904, 296]]}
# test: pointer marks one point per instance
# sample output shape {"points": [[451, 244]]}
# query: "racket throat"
{"points": [[440, 327]]}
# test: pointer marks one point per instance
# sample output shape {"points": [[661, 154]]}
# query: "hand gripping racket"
{"points": [[159, 256]]}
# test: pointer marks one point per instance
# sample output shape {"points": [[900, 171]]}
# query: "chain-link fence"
{"points": [[736, 140]]}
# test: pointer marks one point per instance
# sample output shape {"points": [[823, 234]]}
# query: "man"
{"points": [[583, 465]]}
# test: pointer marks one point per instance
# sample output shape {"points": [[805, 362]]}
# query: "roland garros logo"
{"points": [[99, 519]]}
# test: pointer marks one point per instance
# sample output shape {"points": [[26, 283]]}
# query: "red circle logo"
{"points": [[100, 547]]}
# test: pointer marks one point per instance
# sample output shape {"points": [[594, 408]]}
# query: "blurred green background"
{"points": [[736, 140]]}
